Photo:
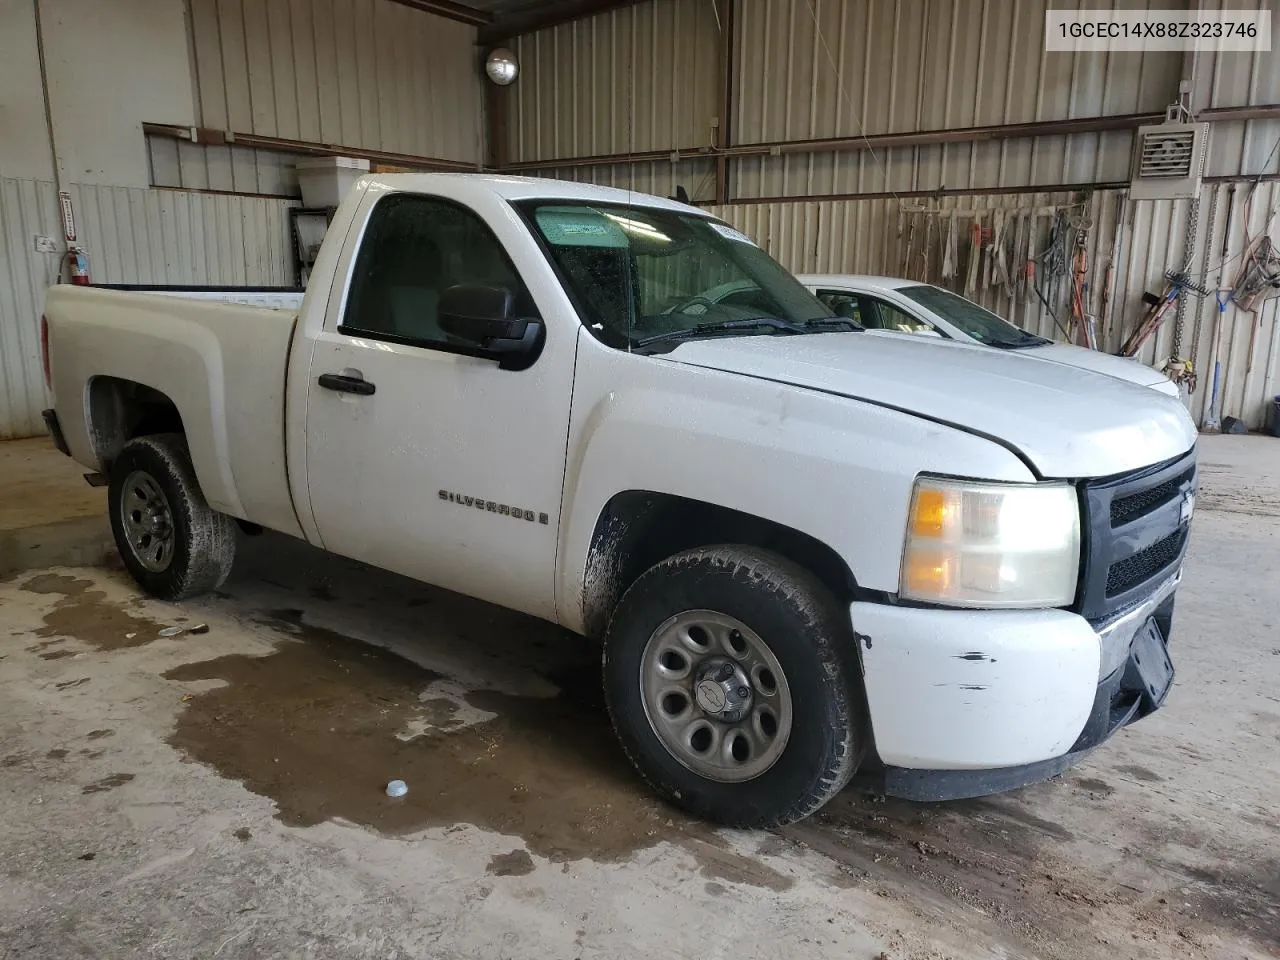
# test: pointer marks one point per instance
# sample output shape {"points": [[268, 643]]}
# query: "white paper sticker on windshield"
{"points": [[578, 227], [731, 234]]}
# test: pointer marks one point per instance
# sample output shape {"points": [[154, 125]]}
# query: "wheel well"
{"points": [[120, 410], [638, 529]]}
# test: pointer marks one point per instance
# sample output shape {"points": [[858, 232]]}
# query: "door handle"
{"points": [[344, 384]]}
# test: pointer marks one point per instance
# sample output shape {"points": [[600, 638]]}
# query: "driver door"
{"points": [[422, 459]]}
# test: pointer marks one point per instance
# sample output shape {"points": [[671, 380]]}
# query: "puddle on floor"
{"points": [[85, 614], [313, 726]]}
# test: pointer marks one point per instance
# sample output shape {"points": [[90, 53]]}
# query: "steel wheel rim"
{"points": [[147, 521], [693, 671]]}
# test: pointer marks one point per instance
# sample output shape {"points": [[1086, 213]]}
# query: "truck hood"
{"points": [[1095, 360], [1067, 421]]}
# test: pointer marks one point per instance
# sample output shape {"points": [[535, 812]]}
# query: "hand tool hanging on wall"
{"points": [[949, 250], [1017, 280], [999, 255], [1052, 270], [1029, 265], [1079, 268], [975, 257], [1177, 285], [925, 248], [911, 239]]}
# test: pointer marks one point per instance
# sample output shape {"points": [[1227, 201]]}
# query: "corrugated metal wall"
{"points": [[27, 208], [641, 78], [133, 236], [874, 236], [353, 73], [192, 166], [824, 68]]}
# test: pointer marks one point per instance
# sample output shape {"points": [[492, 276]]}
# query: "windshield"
{"points": [[646, 277], [978, 322]]}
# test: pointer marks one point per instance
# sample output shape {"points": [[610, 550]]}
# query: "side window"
{"points": [[846, 305], [414, 248], [893, 318]]}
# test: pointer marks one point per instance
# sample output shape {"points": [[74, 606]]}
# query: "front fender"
{"points": [[839, 470]]}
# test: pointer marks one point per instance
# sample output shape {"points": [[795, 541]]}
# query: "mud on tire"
{"points": [[804, 629], [203, 541]]}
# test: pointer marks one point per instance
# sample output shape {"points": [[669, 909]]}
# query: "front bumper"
{"points": [[968, 703]]}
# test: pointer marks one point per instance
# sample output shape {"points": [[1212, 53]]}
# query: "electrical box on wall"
{"points": [[1168, 161]]}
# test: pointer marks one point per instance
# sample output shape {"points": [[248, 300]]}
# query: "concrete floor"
{"points": [[218, 794]]}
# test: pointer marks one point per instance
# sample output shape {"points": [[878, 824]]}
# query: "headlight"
{"points": [[991, 544]]}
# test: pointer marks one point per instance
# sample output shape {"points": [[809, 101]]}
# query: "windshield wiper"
{"points": [[723, 326], [818, 323], [1024, 340]]}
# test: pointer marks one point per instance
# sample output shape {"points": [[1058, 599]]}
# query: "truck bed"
{"points": [[222, 363]]}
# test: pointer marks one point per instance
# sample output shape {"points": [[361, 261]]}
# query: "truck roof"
{"points": [[523, 188]]}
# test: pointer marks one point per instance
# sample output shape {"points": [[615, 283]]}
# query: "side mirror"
{"points": [[486, 316]]}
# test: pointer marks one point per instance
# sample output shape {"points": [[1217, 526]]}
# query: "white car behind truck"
{"points": [[804, 548], [897, 306]]}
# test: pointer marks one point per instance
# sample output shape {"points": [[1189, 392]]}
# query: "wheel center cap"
{"points": [[711, 697], [722, 690]]}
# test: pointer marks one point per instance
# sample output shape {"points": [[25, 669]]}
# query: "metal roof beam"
{"points": [[531, 17], [451, 9]]}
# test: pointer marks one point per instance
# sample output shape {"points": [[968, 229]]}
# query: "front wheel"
{"points": [[172, 542], [727, 674]]}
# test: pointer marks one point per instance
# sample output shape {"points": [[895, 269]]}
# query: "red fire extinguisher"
{"points": [[78, 266]]}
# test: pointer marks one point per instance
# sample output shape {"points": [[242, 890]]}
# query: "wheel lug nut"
{"points": [[742, 692]]}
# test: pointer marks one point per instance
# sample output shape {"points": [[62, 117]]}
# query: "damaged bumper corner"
{"points": [[971, 703]]}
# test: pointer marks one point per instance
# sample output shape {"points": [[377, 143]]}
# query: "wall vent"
{"points": [[1169, 161]]}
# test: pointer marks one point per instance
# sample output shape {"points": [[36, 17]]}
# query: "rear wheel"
{"points": [[727, 673], [172, 542]]}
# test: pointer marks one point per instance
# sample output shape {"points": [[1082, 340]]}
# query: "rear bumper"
{"points": [[55, 431], [969, 703]]}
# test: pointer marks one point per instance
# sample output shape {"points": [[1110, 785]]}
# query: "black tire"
{"points": [[802, 625], [203, 541]]}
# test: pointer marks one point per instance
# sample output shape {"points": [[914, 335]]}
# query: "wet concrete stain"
{"points": [[85, 614], [108, 783], [1140, 773], [57, 654], [242, 834], [517, 863], [99, 734], [57, 754], [313, 726], [1094, 785]]}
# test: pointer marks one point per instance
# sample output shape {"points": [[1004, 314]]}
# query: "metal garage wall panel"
{"points": [[824, 68], [192, 166], [641, 78], [170, 236], [27, 208], [359, 73], [1241, 79], [132, 236], [869, 236]]}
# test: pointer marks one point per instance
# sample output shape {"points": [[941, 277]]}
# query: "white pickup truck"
{"points": [[805, 549]]}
